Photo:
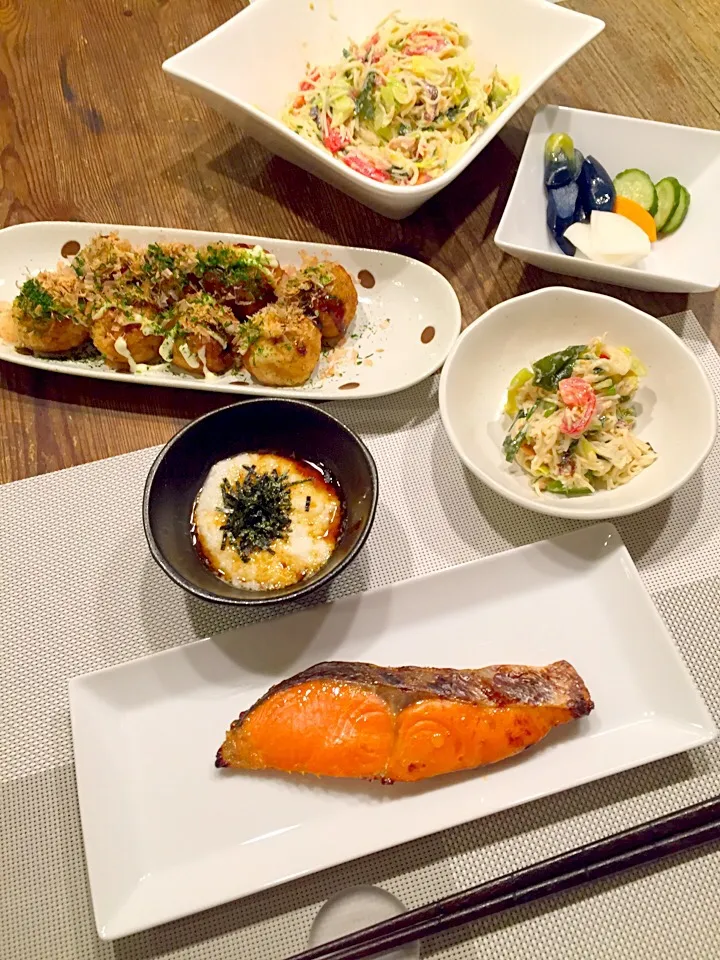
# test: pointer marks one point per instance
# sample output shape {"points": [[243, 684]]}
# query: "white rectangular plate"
{"points": [[166, 834], [403, 331]]}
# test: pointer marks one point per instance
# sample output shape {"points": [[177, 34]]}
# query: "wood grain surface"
{"points": [[91, 129]]}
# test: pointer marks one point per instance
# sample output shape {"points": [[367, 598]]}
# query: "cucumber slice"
{"points": [[668, 191], [680, 213], [636, 185]]}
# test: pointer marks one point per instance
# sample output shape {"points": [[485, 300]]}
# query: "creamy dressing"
{"points": [[215, 335], [166, 349], [263, 256], [147, 327], [137, 369], [208, 374], [122, 348], [188, 356]]}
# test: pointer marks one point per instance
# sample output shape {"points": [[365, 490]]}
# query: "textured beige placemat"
{"points": [[80, 592]]}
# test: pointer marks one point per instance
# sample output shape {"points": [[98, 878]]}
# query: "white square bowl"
{"points": [[248, 67], [686, 262]]}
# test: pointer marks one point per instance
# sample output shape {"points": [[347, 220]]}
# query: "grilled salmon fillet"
{"points": [[339, 719]]}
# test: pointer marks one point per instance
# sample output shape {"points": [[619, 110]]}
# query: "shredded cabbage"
{"points": [[401, 107]]}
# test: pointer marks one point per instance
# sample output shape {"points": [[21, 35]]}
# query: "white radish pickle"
{"points": [[610, 238]]}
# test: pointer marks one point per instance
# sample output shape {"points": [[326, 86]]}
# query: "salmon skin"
{"points": [[340, 719]]}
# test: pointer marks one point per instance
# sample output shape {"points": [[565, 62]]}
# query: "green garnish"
{"points": [[553, 368], [319, 274], [78, 265], [257, 511], [498, 95], [511, 444], [238, 266], [365, 105], [250, 333], [453, 111], [35, 301], [157, 261]]}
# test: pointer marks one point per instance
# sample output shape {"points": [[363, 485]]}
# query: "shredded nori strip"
{"points": [[257, 510]]}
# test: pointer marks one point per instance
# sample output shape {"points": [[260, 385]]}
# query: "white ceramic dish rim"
{"points": [[559, 258], [225, 386], [605, 532], [422, 191], [561, 509]]}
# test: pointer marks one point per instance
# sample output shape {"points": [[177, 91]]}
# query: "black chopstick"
{"points": [[638, 846]]}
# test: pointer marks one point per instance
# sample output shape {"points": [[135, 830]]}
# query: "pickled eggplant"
{"points": [[564, 208], [596, 187], [562, 161]]}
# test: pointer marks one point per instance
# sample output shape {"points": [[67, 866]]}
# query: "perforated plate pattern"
{"points": [[79, 591]]}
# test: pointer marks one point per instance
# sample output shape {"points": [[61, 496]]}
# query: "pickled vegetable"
{"points": [[517, 382], [633, 211], [636, 185], [679, 214], [563, 209], [668, 193], [596, 187], [562, 161]]}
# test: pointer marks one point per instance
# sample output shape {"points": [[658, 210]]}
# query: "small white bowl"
{"points": [[675, 403], [249, 66], [685, 262]]}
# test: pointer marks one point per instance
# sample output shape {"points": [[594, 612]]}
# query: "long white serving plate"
{"points": [[406, 322], [166, 834]]}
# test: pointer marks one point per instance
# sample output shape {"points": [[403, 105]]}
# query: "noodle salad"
{"points": [[401, 107], [572, 420]]}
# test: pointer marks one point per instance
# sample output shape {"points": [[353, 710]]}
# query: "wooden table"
{"points": [[92, 130]]}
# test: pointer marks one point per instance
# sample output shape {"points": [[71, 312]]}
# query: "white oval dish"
{"points": [[405, 325], [675, 403]]}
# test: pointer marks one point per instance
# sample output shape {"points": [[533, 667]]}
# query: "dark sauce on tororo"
{"points": [[319, 472], [314, 471]]}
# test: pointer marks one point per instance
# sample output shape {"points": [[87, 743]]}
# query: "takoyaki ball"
{"points": [[164, 272], [202, 332], [128, 332], [283, 346], [105, 259], [241, 277], [325, 292], [49, 313]]}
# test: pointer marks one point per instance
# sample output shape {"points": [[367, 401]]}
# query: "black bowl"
{"points": [[287, 427]]}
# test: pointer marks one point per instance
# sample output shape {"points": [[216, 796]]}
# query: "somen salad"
{"points": [[572, 420], [402, 106]]}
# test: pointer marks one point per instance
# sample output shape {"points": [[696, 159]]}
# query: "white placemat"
{"points": [[79, 592]]}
